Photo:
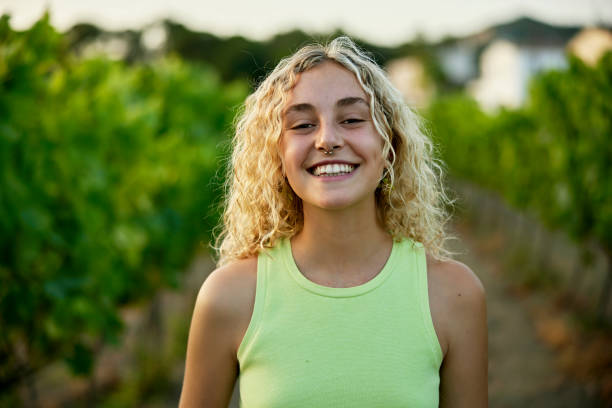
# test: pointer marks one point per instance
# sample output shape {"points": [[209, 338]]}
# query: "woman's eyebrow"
{"points": [[344, 102], [351, 100], [299, 107]]}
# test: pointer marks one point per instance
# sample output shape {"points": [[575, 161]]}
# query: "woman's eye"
{"points": [[352, 120], [303, 126]]}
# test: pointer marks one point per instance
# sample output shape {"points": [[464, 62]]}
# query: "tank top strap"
{"points": [[261, 288], [422, 292]]}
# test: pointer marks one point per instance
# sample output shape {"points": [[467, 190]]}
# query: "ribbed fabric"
{"points": [[372, 345]]}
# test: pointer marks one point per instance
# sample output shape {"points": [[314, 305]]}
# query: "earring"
{"points": [[385, 183]]}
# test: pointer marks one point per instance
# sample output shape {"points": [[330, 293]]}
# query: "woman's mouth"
{"points": [[330, 170]]}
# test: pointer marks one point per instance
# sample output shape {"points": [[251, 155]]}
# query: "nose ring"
{"points": [[329, 152]]}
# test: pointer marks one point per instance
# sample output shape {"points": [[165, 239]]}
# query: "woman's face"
{"points": [[328, 111]]}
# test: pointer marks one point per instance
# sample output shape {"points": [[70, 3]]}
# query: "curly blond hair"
{"points": [[260, 207]]}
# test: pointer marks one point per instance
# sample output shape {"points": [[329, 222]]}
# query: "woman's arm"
{"points": [[221, 315], [463, 375]]}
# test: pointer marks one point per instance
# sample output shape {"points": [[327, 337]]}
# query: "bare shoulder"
{"points": [[454, 278], [458, 308], [228, 295], [222, 308], [229, 281], [455, 294]]}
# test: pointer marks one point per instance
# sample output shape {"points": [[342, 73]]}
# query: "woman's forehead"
{"points": [[328, 81]]}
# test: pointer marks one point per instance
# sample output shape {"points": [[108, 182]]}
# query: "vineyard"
{"points": [[111, 174], [551, 159], [108, 183]]}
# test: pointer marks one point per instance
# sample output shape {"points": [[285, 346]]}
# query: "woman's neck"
{"points": [[341, 247]]}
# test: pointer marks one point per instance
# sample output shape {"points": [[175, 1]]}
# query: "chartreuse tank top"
{"points": [[372, 345]]}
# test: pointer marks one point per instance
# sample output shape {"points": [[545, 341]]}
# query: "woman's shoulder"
{"points": [[453, 277], [456, 296], [232, 278], [228, 296]]}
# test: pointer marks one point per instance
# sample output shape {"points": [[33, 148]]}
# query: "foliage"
{"points": [[553, 157], [238, 57], [576, 112], [105, 190]]}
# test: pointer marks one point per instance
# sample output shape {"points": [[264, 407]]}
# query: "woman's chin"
{"points": [[338, 202]]}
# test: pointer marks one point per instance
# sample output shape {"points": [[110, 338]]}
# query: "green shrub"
{"points": [[106, 188]]}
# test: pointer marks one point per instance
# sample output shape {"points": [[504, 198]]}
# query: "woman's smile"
{"points": [[330, 149], [332, 169]]}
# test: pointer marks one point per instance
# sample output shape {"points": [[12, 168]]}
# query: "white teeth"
{"points": [[333, 169]]}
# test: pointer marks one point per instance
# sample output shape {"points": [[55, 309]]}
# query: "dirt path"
{"points": [[522, 370]]}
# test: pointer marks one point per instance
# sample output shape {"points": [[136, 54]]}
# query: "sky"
{"points": [[384, 22]]}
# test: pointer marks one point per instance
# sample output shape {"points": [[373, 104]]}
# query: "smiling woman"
{"points": [[334, 288], [338, 124]]}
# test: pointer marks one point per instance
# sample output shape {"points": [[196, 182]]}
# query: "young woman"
{"points": [[333, 287]]}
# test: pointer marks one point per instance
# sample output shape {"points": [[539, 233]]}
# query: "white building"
{"points": [[506, 69], [591, 44], [409, 77], [497, 64]]}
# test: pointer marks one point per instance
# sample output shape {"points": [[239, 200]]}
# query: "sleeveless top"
{"points": [[372, 345]]}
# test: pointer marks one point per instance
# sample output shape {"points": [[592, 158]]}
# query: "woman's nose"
{"points": [[328, 138]]}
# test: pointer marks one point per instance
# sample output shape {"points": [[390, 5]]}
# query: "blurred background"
{"points": [[115, 121]]}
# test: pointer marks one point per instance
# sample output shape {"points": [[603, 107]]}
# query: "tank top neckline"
{"points": [[305, 283]]}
